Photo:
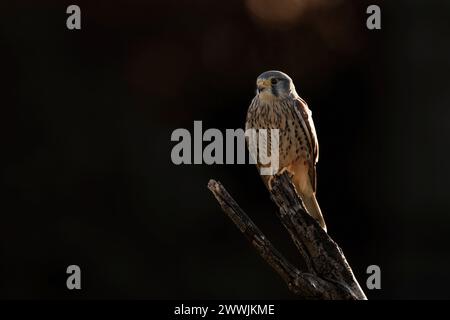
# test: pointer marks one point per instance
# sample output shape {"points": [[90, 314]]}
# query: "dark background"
{"points": [[86, 119]]}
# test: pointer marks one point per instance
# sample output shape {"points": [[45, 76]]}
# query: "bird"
{"points": [[277, 105]]}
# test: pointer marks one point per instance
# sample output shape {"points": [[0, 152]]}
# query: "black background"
{"points": [[87, 116]]}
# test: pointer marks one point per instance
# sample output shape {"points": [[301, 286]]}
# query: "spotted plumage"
{"points": [[278, 106]]}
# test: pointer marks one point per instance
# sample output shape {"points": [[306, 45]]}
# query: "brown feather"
{"points": [[305, 118]]}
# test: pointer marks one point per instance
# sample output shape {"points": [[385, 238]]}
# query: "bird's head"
{"points": [[274, 85]]}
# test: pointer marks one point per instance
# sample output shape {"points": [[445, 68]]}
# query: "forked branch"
{"points": [[328, 275]]}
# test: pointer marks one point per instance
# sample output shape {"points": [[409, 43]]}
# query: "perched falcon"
{"points": [[278, 106]]}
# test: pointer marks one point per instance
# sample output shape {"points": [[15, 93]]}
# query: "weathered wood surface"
{"points": [[328, 274]]}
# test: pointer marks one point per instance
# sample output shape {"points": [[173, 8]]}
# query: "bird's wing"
{"points": [[305, 118]]}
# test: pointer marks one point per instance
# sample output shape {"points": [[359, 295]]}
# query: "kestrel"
{"points": [[278, 106]]}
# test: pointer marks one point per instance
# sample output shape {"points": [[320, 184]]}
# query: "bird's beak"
{"points": [[262, 84]]}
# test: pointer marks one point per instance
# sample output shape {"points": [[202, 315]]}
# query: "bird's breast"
{"points": [[280, 114]]}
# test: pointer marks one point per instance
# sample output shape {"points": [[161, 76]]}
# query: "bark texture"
{"points": [[328, 274]]}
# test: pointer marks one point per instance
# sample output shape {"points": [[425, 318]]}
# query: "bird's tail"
{"points": [[312, 206]]}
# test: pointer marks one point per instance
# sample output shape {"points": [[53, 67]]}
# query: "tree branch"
{"points": [[328, 275]]}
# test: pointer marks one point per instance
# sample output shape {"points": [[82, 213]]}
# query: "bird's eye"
{"points": [[273, 81]]}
